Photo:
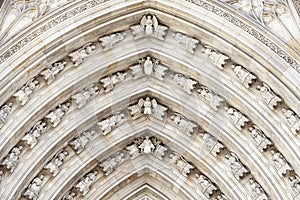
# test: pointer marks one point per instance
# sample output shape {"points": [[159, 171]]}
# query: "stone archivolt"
{"points": [[149, 108]]}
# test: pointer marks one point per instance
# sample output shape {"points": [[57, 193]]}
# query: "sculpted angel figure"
{"points": [[36, 131], [22, 95], [55, 116], [147, 146], [79, 143], [50, 73], [79, 55], [12, 159], [86, 182], [34, 188], [110, 81]]}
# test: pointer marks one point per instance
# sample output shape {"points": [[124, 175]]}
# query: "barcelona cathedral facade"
{"points": [[149, 99]]}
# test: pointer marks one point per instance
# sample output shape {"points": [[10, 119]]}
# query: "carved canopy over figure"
{"points": [[269, 97], [11, 160], [79, 142], [22, 95], [110, 41], [182, 165], [244, 76], [150, 67], [208, 188], [149, 26], [188, 43], [54, 165], [147, 107], [260, 138], [186, 83], [112, 162], [237, 118], [35, 132], [217, 58], [85, 95], [282, 166], [110, 81], [51, 72], [79, 55], [209, 96], [213, 145], [257, 191], [185, 125], [237, 168], [33, 190], [292, 119], [55, 116], [107, 125], [86, 182]]}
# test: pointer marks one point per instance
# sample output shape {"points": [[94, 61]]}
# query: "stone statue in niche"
{"points": [[79, 143], [185, 125], [160, 149], [188, 43], [237, 168], [33, 190], [182, 165], [85, 95], [282, 166], [147, 146], [22, 95], [35, 132], [217, 58], [257, 191], [292, 119], [221, 197], [149, 26], [51, 72], [262, 142], [186, 83], [11, 160], [133, 151], [110, 81], [269, 97], [55, 116], [5, 110], [244, 76], [54, 165], [107, 125], [295, 184], [237, 118], [212, 144], [147, 107], [81, 54], [70, 196], [110, 41], [86, 182], [112, 162], [150, 67], [209, 96], [207, 187]]}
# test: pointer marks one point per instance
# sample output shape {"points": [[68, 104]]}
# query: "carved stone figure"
{"points": [[188, 43], [11, 160], [269, 97], [149, 27], [244, 76], [150, 67], [217, 58], [54, 165], [147, 146], [79, 143], [70, 196], [110, 41], [295, 184], [35, 132], [237, 168], [186, 83], [282, 166], [5, 110], [257, 191], [86, 182], [212, 144], [85, 95], [51, 72], [147, 107], [209, 96], [112, 162], [185, 125], [55, 116], [262, 142], [111, 81], [107, 125], [292, 119], [33, 190], [133, 151], [182, 165], [22, 95], [237, 118], [160, 150], [207, 187], [79, 55]]}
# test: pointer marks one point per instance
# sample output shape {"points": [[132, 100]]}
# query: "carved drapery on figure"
{"points": [[257, 191], [236, 117], [81, 54], [32, 192], [79, 143], [147, 107], [188, 43], [110, 81], [107, 125], [268, 96], [30, 139], [110, 41], [22, 95], [149, 67], [207, 187], [49, 74], [85, 183], [11, 160], [293, 120], [183, 166], [185, 125], [112, 162], [5, 110], [217, 58], [236, 166], [54, 165], [281, 164], [85, 95], [245, 77], [214, 100], [54, 117], [261, 140], [185, 82], [212, 144], [149, 26]]}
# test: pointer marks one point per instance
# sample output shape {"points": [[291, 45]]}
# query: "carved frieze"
{"points": [[149, 67], [22, 95], [81, 54], [245, 77], [55, 116], [85, 95], [217, 58], [149, 26], [185, 125], [147, 107], [110, 164], [185, 82], [110, 81], [188, 43], [236, 166], [107, 125], [49, 74], [268, 96], [31, 137], [214, 100], [110, 41]]}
